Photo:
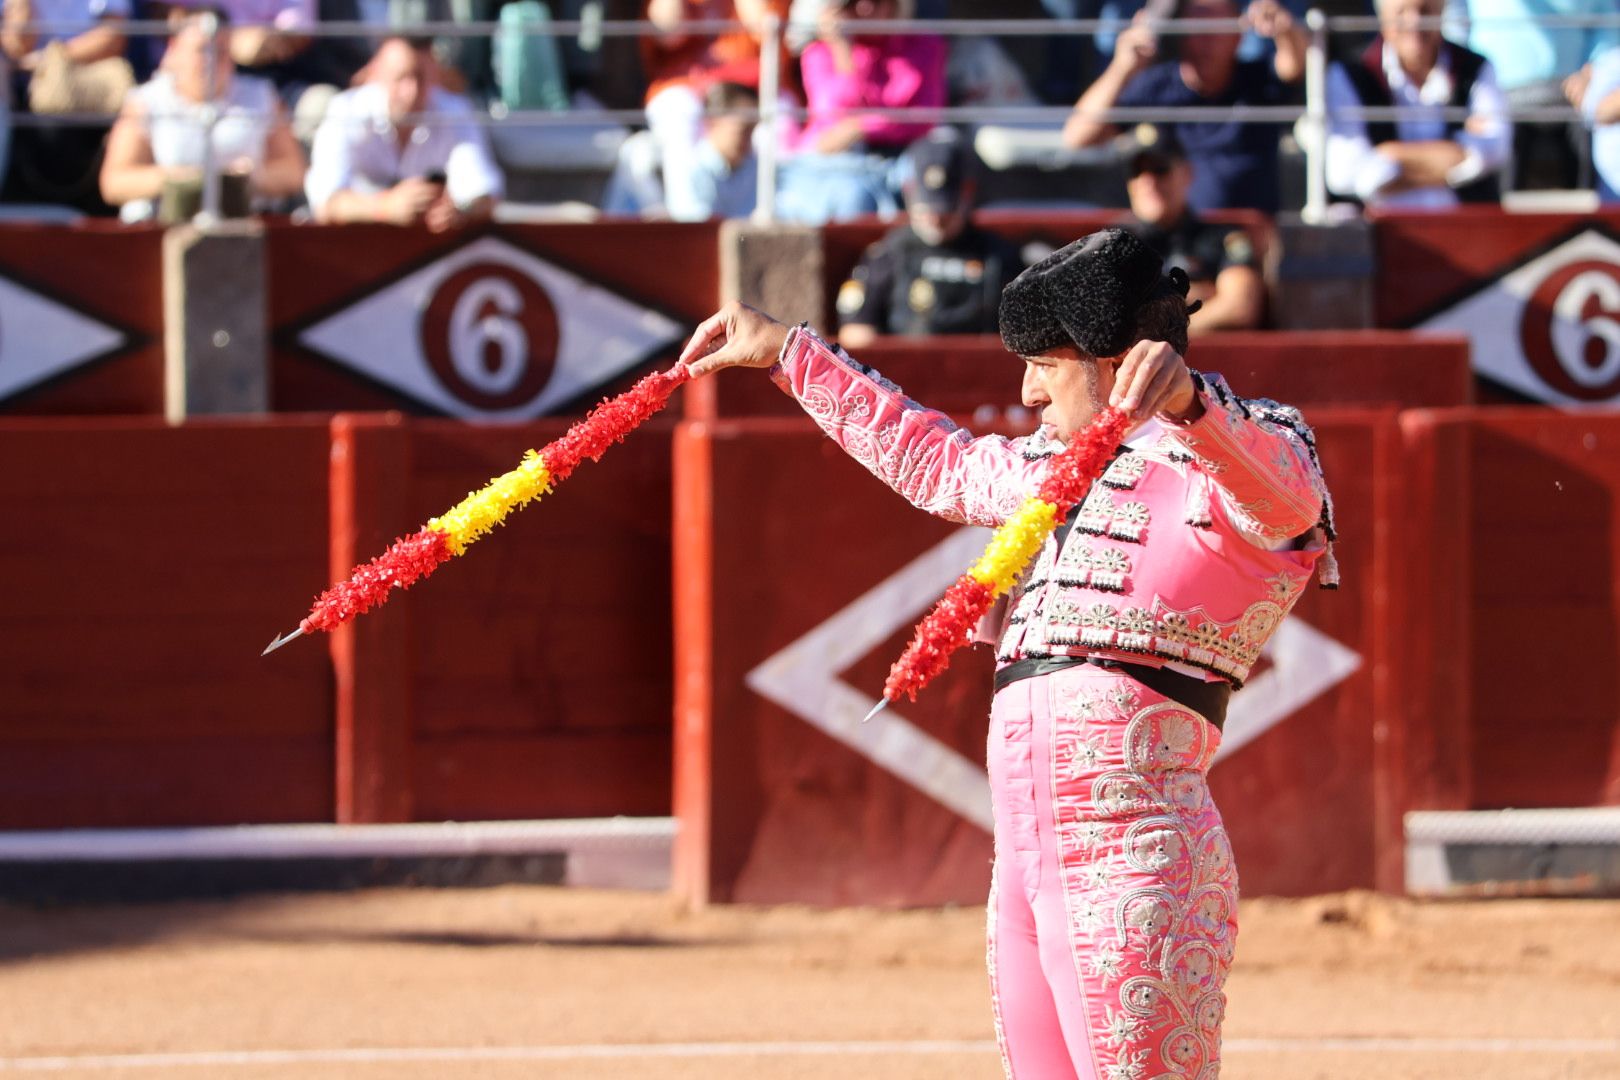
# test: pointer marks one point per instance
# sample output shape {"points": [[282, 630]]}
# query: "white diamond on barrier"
{"points": [[41, 339], [804, 679]]}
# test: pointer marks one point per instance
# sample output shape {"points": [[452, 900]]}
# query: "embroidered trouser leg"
{"points": [[1112, 917]]}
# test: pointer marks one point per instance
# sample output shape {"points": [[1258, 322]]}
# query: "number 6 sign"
{"points": [[491, 331]]}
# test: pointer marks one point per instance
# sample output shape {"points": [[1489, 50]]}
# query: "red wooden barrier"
{"points": [[539, 664], [1538, 543], [508, 322], [1474, 664], [81, 321], [149, 565], [961, 374], [809, 575], [144, 569]]}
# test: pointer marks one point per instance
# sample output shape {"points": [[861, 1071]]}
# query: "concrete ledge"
{"points": [[1553, 852], [149, 863], [1576, 825], [1321, 276], [776, 268]]}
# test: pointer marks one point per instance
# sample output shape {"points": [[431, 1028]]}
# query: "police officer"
{"points": [[1219, 259], [937, 274]]}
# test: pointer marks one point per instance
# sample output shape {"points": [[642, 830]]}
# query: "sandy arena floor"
{"points": [[535, 982]]}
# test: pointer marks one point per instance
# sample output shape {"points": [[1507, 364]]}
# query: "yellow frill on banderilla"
{"points": [[475, 516], [1014, 544]]}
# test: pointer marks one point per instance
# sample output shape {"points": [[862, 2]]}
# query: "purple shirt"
{"points": [[888, 72], [281, 14]]}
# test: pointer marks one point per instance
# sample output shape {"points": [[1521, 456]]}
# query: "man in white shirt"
{"points": [[400, 149], [1423, 159]]}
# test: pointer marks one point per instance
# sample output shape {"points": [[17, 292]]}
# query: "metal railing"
{"points": [[1310, 121]]}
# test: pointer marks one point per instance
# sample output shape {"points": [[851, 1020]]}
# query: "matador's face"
{"points": [[1067, 387]]}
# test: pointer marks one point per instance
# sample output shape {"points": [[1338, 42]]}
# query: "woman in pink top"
{"points": [[845, 158]]}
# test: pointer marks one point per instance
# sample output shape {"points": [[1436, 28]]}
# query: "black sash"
{"points": [[1207, 699]]}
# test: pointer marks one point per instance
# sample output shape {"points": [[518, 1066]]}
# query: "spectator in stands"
{"points": [[1422, 159], [1073, 61], [1595, 91], [77, 65], [724, 178], [844, 164], [937, 274], [267, 41], [400, 149], [1219, 259], [462, 62], [681, 66], [1234, 163], [161, 138], [1531, 62]]}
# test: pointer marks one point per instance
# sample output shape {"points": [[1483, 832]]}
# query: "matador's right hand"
{"points": [[735, 336]]}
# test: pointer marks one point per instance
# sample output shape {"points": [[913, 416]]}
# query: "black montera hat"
{"points": [[1086, 294]]}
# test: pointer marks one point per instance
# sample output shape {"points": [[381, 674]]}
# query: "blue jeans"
{"points": [[813, 189]]}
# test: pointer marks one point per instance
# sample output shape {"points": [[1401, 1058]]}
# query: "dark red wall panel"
{"points": [[144, 568], [1546, 599], [540, 660]]}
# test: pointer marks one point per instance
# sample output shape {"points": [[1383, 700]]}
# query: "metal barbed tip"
{"points": [[277, 643]]}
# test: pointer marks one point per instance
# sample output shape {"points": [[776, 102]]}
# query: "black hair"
{"points": [[723, 97], [1164, 315], [421, 43]]}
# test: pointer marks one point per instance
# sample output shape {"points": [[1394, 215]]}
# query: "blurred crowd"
{"points": [[398, 125]]}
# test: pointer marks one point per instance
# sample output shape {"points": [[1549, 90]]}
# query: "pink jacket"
{"points": [[1171, 556], [889, 72]]}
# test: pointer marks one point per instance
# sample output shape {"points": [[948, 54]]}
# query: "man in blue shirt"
{"points": [[724, 177], [1595, 91], [1234, 163], [1531, 62]]}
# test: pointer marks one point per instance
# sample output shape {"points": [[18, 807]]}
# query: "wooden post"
{"points": [[369, 481], [1423, 759], [694, 661]]}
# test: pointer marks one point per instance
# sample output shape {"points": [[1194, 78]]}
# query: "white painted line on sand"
{"points": [[1417, 1044], [589, 1051]]}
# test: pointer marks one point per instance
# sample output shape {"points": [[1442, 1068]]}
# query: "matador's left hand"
{"points": [[1153, 380]]}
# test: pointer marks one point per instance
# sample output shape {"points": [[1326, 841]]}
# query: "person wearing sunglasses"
{"points": [[1219, 260]]}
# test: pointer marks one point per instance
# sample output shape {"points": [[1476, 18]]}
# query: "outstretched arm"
{"points": [[921, 454]]}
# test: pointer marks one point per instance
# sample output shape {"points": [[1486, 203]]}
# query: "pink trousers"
{"points": [[1113, 907]]}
